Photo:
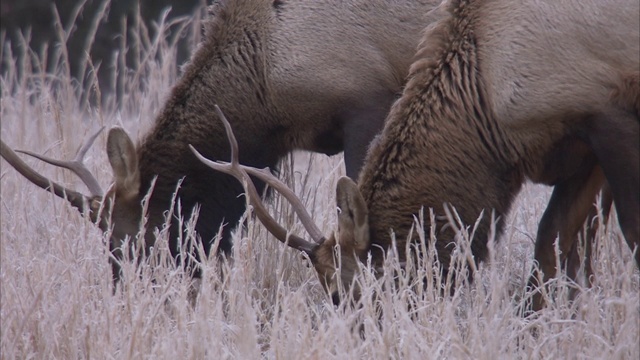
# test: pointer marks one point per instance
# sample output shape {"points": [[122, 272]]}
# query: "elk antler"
{"points": [[76, 199], [241, 172], [76, 165]]}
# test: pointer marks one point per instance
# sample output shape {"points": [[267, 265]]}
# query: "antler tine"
{"points": [[240, 172], [297, 206], [266, 176], [76, 165], [76, 199], [267, 220]]}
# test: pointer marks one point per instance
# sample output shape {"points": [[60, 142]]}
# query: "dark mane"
{"points": [[227, 69], [443, 83], [415, 162]]}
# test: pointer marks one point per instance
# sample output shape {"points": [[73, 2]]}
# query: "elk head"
{"points": [[335, 258], [119, 209]]}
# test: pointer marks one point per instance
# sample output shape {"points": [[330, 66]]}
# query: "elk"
{"points": [[501, 92], [311, 75]]}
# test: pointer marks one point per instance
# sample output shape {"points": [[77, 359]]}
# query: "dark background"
{"points": [[17, 16]]}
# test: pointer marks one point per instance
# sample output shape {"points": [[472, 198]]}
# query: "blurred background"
{"points": [[36, 24]]}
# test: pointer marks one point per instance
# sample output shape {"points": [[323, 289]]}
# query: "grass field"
{"points": [[58, 302]]}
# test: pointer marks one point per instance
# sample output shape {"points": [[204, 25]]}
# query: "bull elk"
{"points": [[500, 92], [311, 75]]}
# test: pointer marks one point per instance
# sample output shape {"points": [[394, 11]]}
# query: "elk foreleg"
{"points": [[570, 204], [615, 139], [574, 259]]}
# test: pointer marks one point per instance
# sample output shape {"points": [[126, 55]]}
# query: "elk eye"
{"points": [[335, 298]]}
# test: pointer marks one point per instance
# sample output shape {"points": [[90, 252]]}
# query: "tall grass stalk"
{"points": [[57, 300]]}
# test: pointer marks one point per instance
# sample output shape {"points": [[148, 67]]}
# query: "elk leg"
{"points": [[615, 139], [573, 261], [570, 203]]}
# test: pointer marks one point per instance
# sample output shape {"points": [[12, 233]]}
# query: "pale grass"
{"points": [[58, 302]]}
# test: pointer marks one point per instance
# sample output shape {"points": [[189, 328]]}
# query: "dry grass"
{"points": [[58, 302]]}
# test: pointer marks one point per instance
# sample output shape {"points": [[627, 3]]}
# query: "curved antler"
{"points": [[76, 165], [242, 172], [76, 199]]}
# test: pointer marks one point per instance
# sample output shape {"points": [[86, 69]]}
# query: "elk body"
{"points": [[312, 75], [501, 92], [498, 96]]}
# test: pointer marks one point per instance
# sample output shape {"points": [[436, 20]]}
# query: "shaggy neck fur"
{"points": [[188, 118], [441, 144]]}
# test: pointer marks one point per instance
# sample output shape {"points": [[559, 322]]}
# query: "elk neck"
{"points": [[165, 154], [236, 81], [441, 144]]}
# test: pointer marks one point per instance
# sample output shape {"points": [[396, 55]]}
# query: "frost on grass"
{"points": [[57, 299]]}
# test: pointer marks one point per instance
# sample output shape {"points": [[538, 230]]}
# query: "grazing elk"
{"points": [[501, 92], [313, 75]]}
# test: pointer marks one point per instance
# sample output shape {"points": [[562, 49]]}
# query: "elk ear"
{"points": [[353, 216], [124, 162]]}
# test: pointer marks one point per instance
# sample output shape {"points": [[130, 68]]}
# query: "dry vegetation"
{"points": [[58, 302]]}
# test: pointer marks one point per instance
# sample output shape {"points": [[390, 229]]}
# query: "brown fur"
{"points": [[287, 79], [421, 159], [627, 94], [496, 97]]}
